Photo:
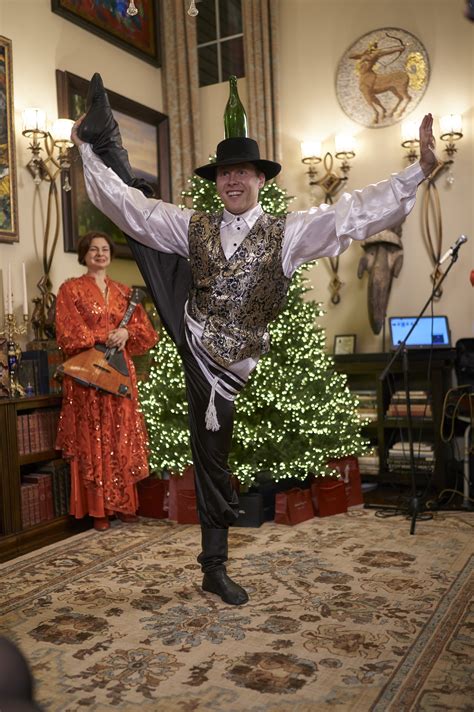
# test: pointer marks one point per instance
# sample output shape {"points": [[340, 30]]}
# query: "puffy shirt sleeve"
{"points": [[142, 335], [328, 230], [72, 333], [159, 225]]}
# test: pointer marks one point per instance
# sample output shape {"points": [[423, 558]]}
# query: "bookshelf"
{"points": [[16, 463], [384, 431]]}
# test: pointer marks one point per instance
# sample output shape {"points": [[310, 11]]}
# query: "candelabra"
{"points": [[11, 330]]}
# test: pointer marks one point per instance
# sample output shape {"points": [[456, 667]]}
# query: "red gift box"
{"points": [[187, 510], [329, 497], [152, 494], [177, 483], [293, 506], [348, 468]]}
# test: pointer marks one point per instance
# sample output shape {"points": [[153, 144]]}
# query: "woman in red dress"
{"points": [[102, 435]]}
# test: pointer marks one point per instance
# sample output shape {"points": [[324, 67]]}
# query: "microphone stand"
{"points": [[415, 504]]}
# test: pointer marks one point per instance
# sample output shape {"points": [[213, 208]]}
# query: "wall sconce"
{"points": [[56, 144], [34, 128], [331, 182], [431, 219], [450, 131]]}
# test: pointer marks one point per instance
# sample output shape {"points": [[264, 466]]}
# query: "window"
{"points": [[220, 41]]}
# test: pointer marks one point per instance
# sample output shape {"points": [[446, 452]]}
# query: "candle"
{"points": [[25, 294], [5, 292], [10, 293]]}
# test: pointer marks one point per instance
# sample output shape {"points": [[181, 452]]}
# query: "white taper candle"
{"points": [[25, 293], [10, 292]]}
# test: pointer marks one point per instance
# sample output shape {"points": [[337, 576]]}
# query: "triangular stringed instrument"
{"points": [[101, 367]]}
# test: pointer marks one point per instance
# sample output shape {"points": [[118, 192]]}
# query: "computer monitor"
{"points": [[430, 332]]}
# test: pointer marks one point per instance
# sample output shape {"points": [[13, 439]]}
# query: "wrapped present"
{"points": [[186, 512], [293, 506], [328, 497], [348, 468], [176, 484], [251, 512], [152, 495]]}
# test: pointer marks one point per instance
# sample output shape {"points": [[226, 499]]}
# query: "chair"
{"points": [[459, 406]]}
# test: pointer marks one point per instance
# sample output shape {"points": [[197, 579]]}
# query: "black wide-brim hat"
{"points": [[238, 150]]}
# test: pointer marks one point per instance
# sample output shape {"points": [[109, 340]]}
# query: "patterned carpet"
{"points": [[346, 613]]}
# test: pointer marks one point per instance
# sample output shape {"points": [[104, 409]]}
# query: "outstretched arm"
{"points": [[159, 225]]}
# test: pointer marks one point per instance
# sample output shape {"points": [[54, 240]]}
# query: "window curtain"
{"points": [[261, 51], [180, 79]]}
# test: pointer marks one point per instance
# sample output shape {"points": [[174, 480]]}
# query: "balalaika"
{"points": [[101, 367]]}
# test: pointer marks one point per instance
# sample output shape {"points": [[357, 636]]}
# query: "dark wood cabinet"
{"points": [[427, 372], [14, 540]]}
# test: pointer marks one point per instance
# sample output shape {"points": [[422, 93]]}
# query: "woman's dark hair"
{"points": [[85, 242]]}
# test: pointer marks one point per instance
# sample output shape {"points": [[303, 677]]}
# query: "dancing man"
{"points": [[219, 279]]}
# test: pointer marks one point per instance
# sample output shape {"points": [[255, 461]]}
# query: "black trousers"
{"points": [[168, 278]]}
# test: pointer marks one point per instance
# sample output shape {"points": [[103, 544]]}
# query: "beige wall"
{"points": [[314, 35]]}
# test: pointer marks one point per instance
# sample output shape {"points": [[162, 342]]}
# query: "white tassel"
{"points": [[211, 413]]}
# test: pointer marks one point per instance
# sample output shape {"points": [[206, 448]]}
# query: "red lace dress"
{"points": [[102, 435]]}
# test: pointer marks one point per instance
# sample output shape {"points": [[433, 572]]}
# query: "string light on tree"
{"points": [[296, 412]]}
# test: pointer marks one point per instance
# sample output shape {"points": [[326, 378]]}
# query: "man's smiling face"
{"points": [[238, 186]]}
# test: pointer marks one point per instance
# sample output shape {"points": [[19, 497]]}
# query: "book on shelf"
{"points": [[366, 403], [36, 431], [61, 484], [420, 405], [369, 464], [30, 504], [399, 410], [423, 455], [55, 359], [45, 492], [37, 368], [34, 364]]}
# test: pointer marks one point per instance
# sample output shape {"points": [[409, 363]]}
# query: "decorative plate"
{"points": [[382, 77]]}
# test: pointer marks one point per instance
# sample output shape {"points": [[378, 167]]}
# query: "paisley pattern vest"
{"points": [[236, 299]]}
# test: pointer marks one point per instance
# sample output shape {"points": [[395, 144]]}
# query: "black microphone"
{"points": [[453, 249]]}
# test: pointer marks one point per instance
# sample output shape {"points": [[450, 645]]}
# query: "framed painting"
{"points": [[8, 195], [138, 34], [145, 134], [344, 344]]}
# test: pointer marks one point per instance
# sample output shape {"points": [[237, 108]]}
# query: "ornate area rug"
{"points": [[346, 613]]}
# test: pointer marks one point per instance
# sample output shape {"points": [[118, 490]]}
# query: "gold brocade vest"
{"points": [[236, 299]]}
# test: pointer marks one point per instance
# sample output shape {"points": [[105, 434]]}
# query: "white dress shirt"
{"points": [[323, 231]]}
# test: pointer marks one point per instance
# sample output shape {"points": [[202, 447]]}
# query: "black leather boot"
{"points": [[101, 130], [212, 559]]}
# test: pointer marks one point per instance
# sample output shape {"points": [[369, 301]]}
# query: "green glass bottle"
{"points": [[235, 118]]}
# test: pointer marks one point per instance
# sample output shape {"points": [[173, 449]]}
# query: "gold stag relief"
{"points": [[382, 77]]}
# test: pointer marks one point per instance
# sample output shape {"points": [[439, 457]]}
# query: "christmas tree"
{"points": [[296, 411]]}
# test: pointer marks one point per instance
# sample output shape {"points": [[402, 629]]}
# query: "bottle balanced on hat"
{"points": [[235, 118]]}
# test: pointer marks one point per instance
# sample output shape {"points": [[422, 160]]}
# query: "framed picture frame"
{"points": [[344, 344], [138, 34], [8, 189], [145, 134]]}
